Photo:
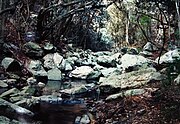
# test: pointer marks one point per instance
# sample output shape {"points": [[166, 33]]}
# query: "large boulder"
{"points": [[48, 61], [54, 81], [33, 50], [52, 60], [130, 61], [36, 68], [169, 57], [81, 72], [86, 62], [127, 80], [55, 74], [11, 64]]}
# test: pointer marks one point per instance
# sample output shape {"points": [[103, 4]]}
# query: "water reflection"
{"points": [[58, 114]]}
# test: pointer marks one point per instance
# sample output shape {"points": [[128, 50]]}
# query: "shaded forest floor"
{"points": [[160, 107]]}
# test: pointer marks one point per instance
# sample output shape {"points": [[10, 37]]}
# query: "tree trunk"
{"points": [[2, 22], [178, 16], [127, 27], [1, 26]]}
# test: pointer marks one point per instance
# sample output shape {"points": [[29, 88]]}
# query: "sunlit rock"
{"points": [[127, 80], [130, 61], [52, 60], [169, 57], [54, 74], [81, 72]]}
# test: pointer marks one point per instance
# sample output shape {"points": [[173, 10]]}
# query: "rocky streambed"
{"points": [[80, 86]]}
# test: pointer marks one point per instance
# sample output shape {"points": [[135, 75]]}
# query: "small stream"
{"points": [[58, 114], [64, 112]]}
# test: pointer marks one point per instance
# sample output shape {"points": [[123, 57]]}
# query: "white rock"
{"points": [[108, 71], [169, 57], [68, 67], [48, 61], [128, 60], [57, 59], [81, 72], [54, 74], [127, 80], [52, 60]]}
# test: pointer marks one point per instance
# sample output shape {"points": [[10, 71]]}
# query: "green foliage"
{"points": [[145, 20]]}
